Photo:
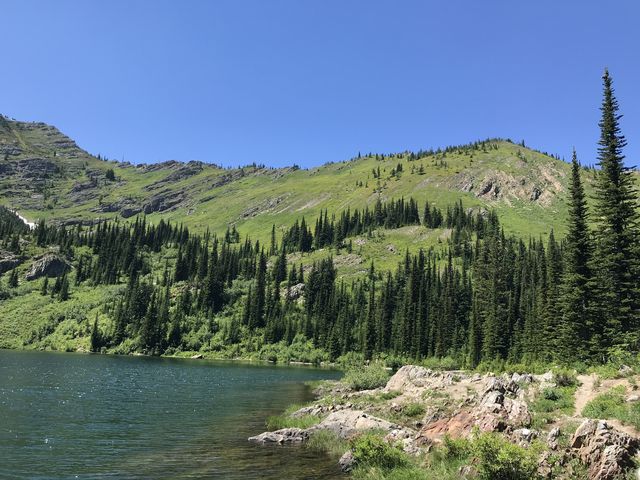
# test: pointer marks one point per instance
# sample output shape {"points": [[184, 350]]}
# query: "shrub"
{"points": [[456, 448], [564, 377], [372, 451], [413, 409], [499, 459], [366, 378]]}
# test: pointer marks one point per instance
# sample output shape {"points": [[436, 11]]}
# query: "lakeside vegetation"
{"points": [[481, 299]]}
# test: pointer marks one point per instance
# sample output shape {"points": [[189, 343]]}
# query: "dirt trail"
{"points": [[584, 394], [587, 391]]}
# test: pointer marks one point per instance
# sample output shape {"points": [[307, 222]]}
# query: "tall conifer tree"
{"points": [[616, 216]]}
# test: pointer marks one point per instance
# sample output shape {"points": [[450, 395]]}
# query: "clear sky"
{"points": [[300, 81]]}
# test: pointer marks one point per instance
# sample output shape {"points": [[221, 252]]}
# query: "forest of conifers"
{"points": [[483, 296]]}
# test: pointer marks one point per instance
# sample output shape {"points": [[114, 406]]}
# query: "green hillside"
{"points": [[45, 175]]}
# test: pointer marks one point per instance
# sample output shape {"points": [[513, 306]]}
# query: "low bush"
{"points": [[499, 459], [551, 403], [413, 409], [366, 378], [456, 448], [370, 450], [564, 377]]}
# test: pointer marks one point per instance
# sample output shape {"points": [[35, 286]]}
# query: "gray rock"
{"points": [[8, 261], [625, 370], [50, 265], [282, 436], [347, 461], [607, 452]]}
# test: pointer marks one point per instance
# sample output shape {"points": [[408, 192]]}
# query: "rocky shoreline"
{"points": [[419, 408]]}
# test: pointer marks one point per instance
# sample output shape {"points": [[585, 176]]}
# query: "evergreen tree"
{"points": [[13, 279], [574, 335], [617, 233], [96, 336]]}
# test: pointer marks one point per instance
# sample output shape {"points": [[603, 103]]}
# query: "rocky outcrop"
{"points": [[164, 201], [282, 436], [8, 261], [498, 410], [412, 378], [607, 452], [345, 423], [50, 265]]}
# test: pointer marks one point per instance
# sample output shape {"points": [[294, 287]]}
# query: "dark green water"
{"points": [[95, 416]]}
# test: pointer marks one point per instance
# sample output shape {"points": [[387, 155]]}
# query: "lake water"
{"points": [[98, 416]]}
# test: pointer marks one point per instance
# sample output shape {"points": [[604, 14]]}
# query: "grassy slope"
{"points": [[275, 197], [263, 197]]}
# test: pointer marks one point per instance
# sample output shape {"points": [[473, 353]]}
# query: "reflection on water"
{"points": [[95, 416]]}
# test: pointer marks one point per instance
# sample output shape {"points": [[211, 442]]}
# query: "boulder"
{"points": [[625, 370], [412, 379], [347, 461], [607, 452], [8, 261], [282, 436], [50, 265], [552, 438], [345, 423]]}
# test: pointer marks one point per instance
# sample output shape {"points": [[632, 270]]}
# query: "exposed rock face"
{"points": [[295, 292], [50, 265], [606, 451], [285, 435], [345, 423], [497, 410], [412, 378], [164, 201], [8, 261]]}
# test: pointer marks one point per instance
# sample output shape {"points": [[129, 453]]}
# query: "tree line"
{"points": [[485, 296]]}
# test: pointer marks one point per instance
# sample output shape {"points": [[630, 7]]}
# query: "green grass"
{"points": [[612, 405], [276, 422], [325, 441], [265, 197], [552, 403]]}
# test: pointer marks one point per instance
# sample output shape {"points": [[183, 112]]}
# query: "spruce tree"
{"points": [[574, 334], [617, 224]]}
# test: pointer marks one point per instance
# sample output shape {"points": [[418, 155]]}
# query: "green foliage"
{"points": [[276, 422], [326, 441], [370, 450], [456, 448], [413, 409], [612, 404], [499, 459], [551, 403], [366, 378], [564, 377]]}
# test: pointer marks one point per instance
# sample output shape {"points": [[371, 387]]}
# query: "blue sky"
{"points": [[295, 81]]}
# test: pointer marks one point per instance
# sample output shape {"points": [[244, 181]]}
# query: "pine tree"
{"points": [[63, 295], [574, 333], [96, 336], [13, 279], [617, 232]]}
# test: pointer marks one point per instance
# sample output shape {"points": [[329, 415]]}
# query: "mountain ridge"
{"points": [[46, 175]]}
